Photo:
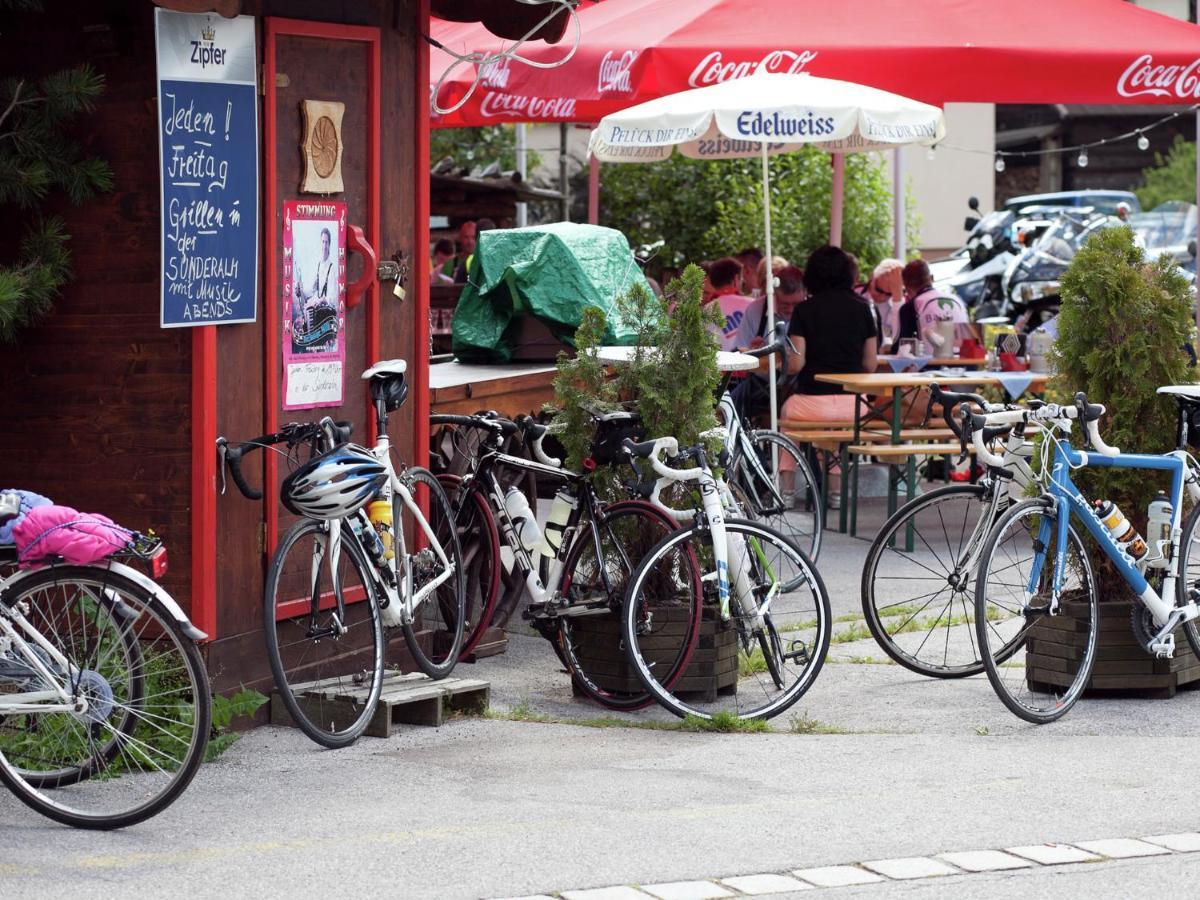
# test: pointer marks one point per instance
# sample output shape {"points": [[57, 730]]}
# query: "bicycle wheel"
{"points": [[757, 662], [919, 603], [591, 645], [1037, 658], [435, 637], [480, 542], [782, 494], [328, 670], [138, 741], [1189, 575]]}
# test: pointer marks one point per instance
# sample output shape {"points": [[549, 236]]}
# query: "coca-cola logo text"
{"points": [[614, 72], [1144, 77], [495, 74], [713, 69], [518, 106]]}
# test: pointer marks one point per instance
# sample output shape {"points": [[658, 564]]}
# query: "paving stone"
{"points": [[837, 876], [910, 867], [1053, 854], [617, 892], [1187, 842], [531, 897], [984, 860], [765, 884], [1122, 848], [686, 890]]}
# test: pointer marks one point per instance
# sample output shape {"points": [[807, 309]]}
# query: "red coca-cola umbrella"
{"points": [[938, 51]]}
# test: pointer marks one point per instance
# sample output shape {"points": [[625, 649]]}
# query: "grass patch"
{"points": [[724, 721], [982, 730], [224, 711], [522, 712], [859, 661], [849, 635], [803, 723]]}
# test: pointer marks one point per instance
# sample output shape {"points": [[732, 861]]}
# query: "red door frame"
{"points": [[271, 350], [420, 282]]}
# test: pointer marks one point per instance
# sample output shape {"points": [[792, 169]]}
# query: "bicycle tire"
{"points": [[809, 617], [1189, 578], [794, 511], [435, 637], [479, 539], [593, 673], [1019, 690], [133, 760], [886, 586], [326, 713]]}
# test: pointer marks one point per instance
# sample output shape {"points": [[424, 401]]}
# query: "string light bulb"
{"points": [[1083, 159], [1143, 142], [999, 163]]}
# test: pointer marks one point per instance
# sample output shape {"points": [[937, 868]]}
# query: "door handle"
{"points": [[356, 242]]}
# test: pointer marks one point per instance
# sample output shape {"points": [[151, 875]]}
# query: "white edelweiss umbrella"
{"points": [[765, 114]]}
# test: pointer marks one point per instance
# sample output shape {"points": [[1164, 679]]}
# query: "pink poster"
{"points": [[314, 303]]}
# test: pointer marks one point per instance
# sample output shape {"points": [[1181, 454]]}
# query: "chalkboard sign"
{"points": [[208, 150]]}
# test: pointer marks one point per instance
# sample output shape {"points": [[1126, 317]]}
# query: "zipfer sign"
{"points": [[208, 155]]}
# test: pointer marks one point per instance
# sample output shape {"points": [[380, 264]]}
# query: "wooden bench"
{"points": [[899, 451], [896, 456]]}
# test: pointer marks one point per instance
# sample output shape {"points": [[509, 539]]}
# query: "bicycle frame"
{"points": [[35, 701], [1069, 500]]}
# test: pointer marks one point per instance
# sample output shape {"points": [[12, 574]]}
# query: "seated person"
{"points": [[832, 332], [940, 320], [752, 395], [723, 285]]}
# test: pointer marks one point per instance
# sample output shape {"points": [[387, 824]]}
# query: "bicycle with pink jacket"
{"points": [[105, 707]]}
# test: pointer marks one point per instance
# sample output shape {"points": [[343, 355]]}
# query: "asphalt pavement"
{"points": [[491, 807]]}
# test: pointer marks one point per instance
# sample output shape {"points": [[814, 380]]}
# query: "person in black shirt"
{"points": [[832, 332]]}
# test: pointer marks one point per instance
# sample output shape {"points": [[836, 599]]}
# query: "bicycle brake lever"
{"points": [[222, 448]]}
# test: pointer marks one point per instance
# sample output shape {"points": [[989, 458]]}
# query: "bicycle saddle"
{"points": [[1182, 391], [386, 367]]}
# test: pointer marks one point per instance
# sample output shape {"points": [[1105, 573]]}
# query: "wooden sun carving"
{"points": [[322, 147]]}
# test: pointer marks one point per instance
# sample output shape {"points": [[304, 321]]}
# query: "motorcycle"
{"points": [[973, 272]]}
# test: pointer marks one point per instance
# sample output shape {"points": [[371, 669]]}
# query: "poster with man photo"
{"points": [[314, 310]]}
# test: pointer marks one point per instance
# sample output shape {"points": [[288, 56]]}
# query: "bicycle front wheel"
{"points": [[597, 571], [327, 662], [435, 636], [1038, 654], [140, 727], [918, 584], [780, 490], [1189, 575], [761, 658]]}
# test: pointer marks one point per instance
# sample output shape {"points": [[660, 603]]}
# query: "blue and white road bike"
{"points": [[1036, 613]]}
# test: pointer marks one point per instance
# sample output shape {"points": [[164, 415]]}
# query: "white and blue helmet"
{"points": [[335, 484]]}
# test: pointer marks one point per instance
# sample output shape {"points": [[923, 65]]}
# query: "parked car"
{"points": [[1169, 229], [1099, 200]]}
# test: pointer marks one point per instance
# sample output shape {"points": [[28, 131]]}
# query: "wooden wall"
{"points": [[95, 399]]}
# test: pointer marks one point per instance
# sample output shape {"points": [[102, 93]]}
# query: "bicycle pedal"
{"points": [[1163, 649]]}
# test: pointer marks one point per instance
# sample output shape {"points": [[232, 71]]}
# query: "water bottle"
{"points": [[523, 519], [369, 538], [1123, 532], [556, 525], [380, 514], [1158, 526]]}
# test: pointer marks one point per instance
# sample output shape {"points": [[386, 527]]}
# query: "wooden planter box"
{"points": [[1122, 664], [712, 670]]}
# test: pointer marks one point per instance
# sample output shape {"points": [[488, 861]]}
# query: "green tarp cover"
{"points": [[549, 271]]}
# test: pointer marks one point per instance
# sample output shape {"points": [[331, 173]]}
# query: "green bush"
{"points": [[706, 209], [1172, 177], [1121, 332]]}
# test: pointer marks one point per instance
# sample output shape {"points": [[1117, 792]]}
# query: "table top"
{"points": [[454, 373], [862, 382], [951, 362], [727, 361]]}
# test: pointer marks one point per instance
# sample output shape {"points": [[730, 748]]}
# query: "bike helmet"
{"points": [[335, 484], [392, 389]]}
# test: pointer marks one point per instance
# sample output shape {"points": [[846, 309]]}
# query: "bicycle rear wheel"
{"points": [[480, 542], [756, 663], [1038, 657], [780, 490], [1189, 575], [435, 637], [140, 737], [590, 645], [918, 598], [328, 669]]}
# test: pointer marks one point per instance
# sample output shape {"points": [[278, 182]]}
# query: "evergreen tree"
{"points": [[38, 156]]}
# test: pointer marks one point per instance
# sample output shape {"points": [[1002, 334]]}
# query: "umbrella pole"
{"points": [[770, 313], [839, 190]]}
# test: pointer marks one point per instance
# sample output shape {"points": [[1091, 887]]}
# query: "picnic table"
{"points": [[879, 384]]}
